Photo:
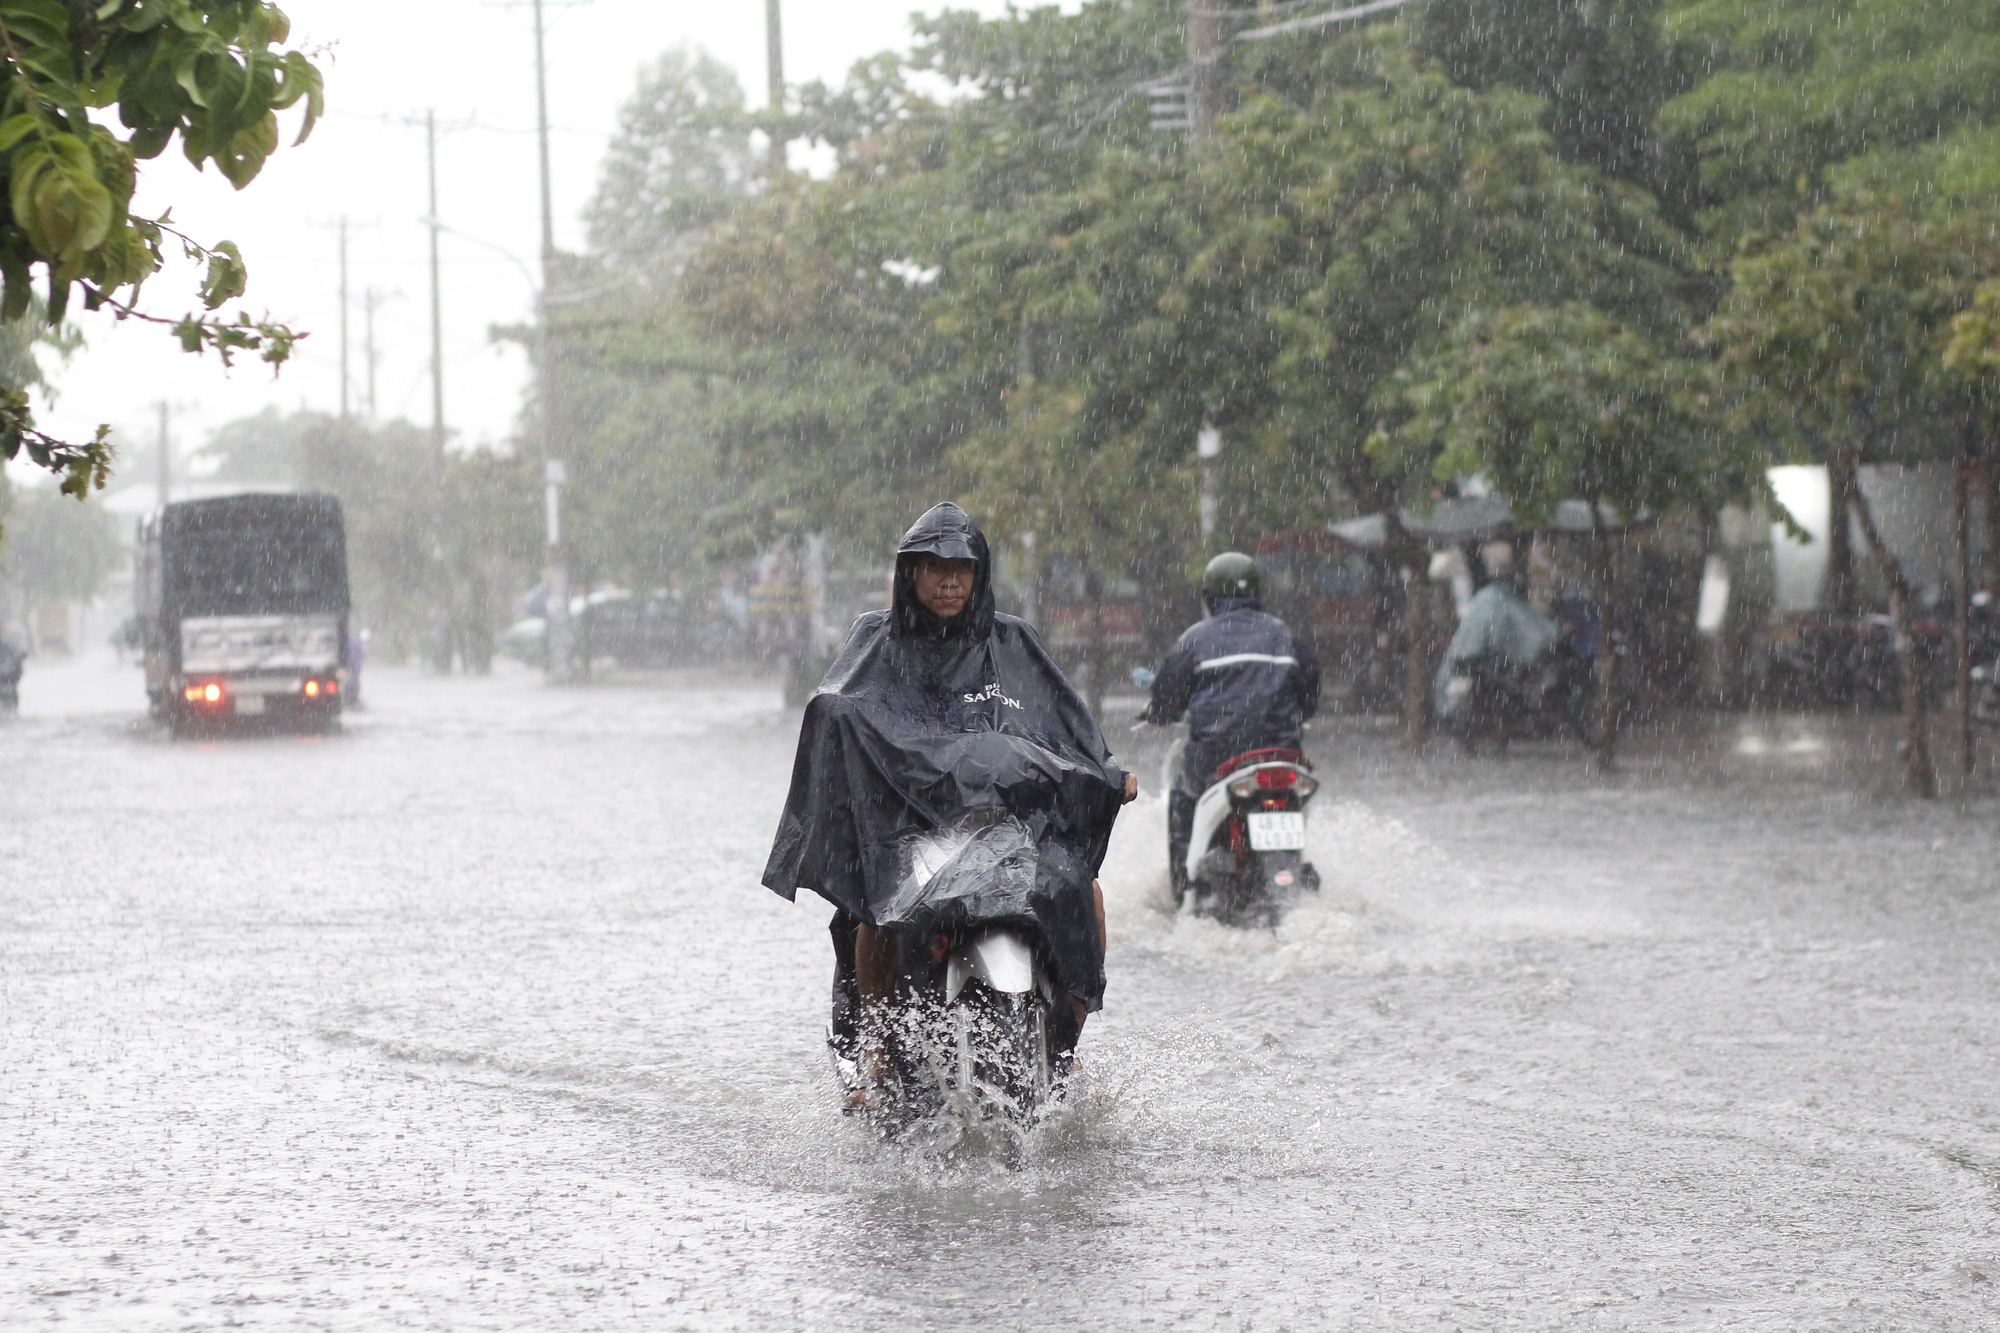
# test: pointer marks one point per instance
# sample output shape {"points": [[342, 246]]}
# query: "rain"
{"points": [[1136, 663]]}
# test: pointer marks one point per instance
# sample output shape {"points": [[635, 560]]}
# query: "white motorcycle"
{"points": [[1246, 858], [979, 1032]]}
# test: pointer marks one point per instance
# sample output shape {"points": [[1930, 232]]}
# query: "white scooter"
{"points": [[1246, 858], [979, 1031]]}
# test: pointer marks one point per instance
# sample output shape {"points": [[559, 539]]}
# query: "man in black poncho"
{"points": [[937, 710]]}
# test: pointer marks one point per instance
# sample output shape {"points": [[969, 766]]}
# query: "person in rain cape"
{"points": [[1499, 625], [942, 713]]}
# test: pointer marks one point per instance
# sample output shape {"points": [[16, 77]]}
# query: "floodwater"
{"points": [[474, 1016]]}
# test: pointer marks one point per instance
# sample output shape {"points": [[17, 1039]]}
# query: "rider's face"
{"points": [[943, 586]]}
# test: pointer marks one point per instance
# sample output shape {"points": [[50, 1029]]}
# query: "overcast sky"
{"points": [[386, 62]]}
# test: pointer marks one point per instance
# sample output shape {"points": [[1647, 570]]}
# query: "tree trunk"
{"points": [[1604, 705], [1094, 590], [1962, 532], [1841, 594], [1990, 469], [1409, 555], [1919, 777]]}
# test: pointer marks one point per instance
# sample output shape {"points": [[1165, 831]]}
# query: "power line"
{"points": [[1172, 91], [1260, 12], [1319, 20]]}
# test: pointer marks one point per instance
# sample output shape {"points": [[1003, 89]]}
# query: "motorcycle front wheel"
{"points": [[1005, 1068]]}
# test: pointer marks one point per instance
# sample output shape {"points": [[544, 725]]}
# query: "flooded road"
{"points": [[475, 1016]]}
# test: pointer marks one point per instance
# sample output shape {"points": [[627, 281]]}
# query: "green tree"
{"points": [[1794, 87], [436, 540], [55, 552], [201, 72], [1835, 335], [1554, 403], [632, 374], [1601, 70], [680, 162]]}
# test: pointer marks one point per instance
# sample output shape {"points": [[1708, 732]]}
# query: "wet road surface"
{"points": [[473, 1016]]}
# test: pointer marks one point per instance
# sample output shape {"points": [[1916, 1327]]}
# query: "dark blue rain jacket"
{"points": [[1243, 680]]}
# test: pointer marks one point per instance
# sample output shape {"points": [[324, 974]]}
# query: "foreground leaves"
{"points": [[205, 73]]}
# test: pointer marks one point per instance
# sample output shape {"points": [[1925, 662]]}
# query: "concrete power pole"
{"points": [[553, 472], [370, 301], [345, 379], [1208, 448], [1208, 54], [774, 74], [166, 457], [437, 295]]}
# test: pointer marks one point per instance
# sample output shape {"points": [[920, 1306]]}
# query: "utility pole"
{"points": [[345, 379], [165, 456], [437, 296], [370, 300], [774, 76], [1208, 448], [553, 475], [1208, 54]]}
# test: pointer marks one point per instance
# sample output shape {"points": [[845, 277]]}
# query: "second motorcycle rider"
{"points": [[1244, 682]]}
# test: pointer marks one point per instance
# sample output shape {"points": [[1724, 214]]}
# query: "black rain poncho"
{"points": [[924, 724]]}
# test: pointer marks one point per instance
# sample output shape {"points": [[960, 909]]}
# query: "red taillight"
{"points": [[1277, 777], [212, 693], [333, 687], [312, 689]]}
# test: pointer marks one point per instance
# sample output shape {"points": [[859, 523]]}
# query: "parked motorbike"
{"points": [[1821, 660], [1246, 857], [979, 1033], [1487, 699]]}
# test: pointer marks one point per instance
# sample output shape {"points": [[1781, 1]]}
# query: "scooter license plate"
{"points": [[1277, 831]]}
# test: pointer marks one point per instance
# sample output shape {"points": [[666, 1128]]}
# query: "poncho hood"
{"points": [[948, 532], [924, 724]]}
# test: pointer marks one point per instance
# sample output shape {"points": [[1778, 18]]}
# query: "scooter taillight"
{"points": [[1277, 777]]}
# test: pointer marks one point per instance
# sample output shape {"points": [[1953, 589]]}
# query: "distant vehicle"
{"points": [[242, 607], [1488, 700], [1819, 660], [1246, 858]]}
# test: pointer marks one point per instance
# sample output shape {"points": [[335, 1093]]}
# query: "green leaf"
{"points": [[302, 79], [57, 197], [16, 128], [248, 149], [226, 277], [38, 30]]}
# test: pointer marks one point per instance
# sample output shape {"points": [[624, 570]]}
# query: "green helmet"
{"points": [[1231, 574]]}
